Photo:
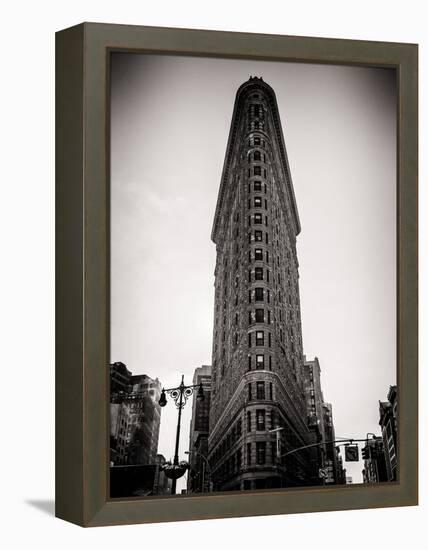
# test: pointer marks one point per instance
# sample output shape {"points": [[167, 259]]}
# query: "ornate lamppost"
{"points": [[180, 395]]}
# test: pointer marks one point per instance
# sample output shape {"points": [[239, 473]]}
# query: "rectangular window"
{"points": [[259, 338], [269, 317], [260, 364], [265, 204], [270, 362], [266, 221], [249, 341], [249, 362], [260, 315], [238, 459], [264, 172], [271, 398], [256, 141], [259, 294], [268, 296], [250, 397], [258, 274], [267, 275], [257, 202], [249, 421], [267, 256], [270, 339], [260, 390], [258, 235], [258, 254], [257, 171], [261, 452], [258, 218], [257, 156], [260, 420], [249, 296], [267, 238], [248, 457], [273, 451]]}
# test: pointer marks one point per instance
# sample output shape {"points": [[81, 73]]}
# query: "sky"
{"points": [[170, 121]]}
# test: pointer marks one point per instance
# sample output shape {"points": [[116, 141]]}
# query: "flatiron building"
{"points": [[257, 380]]}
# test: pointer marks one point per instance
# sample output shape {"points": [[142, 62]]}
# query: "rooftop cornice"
{"points": [[254, 84]]}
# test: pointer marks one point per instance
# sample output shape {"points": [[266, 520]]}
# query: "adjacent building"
{"points": [[198, 479], [320, 421], [134, 417], [388, 411], [257, 380], [139, 480], [120, 378], [375, 468]]}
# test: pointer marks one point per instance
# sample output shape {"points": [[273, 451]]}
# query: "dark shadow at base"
{"points": [[46, 506]]}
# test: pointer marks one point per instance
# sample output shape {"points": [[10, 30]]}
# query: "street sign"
{"points": [[351, 453]]}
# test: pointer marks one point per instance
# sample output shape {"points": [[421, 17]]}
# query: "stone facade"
{"points": [[388, 412], [135, 421], [257, 356], [198, 480]]}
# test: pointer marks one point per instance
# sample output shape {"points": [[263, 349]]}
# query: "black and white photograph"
{"points": [[252, 275]]}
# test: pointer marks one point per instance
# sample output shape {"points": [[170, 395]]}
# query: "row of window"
{"points": [[257, 236], [257, 187], [257, 219], [257, 171], [255, 110], [258, 338], [256, 420], [257, 255], [256, 156], [256, 140], [258, 316], [260, 363], [258, 274], [258, 203], [234, 463], [258, 295], [260, 391]]}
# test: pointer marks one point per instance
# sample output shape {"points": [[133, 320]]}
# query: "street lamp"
{"points": [[180, 394]]}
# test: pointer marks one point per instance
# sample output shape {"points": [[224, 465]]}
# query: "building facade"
{"points": [[375, 469], [120, 378], [199, 479], [320, 422], [135, 421], [257, 356], [388, 412]]}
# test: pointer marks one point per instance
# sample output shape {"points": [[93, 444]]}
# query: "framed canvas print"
{"points": [[236, 274]]}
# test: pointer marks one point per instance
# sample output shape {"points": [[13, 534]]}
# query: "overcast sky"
{"points": [[170, 123]]}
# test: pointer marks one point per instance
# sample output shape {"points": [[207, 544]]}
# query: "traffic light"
{"points": [[351, 453], [365, 453]]}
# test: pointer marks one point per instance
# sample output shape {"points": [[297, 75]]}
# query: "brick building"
{"points": [[134, 420], [375, 469], [198, 480], [388, 411], [257, 356]]}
